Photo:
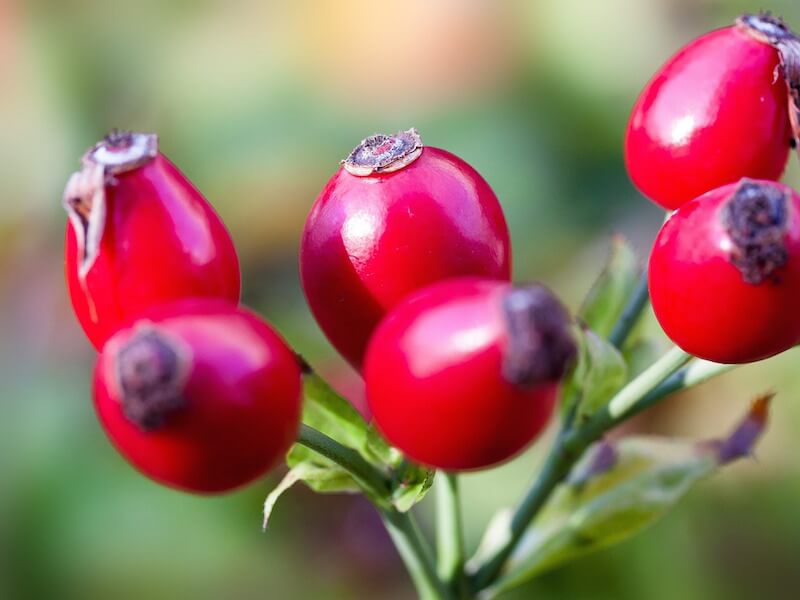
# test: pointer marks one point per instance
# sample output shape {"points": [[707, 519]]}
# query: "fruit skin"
{"points": [[241, 399], [714, 113], [701, 299], [369, 241], [435, 383], [162, 241]]}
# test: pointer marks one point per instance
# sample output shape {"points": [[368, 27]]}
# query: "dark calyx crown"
{"points": [[151, 374], [540, 345], [755, 218]]}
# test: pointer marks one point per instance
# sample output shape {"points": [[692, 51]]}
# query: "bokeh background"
{"points": [[256, 102]]}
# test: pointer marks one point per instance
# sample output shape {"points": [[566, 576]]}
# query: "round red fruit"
{"points": [[139, 234], [199, 395], [395, 218], [464, 374], [725, 273], [717, 111]]}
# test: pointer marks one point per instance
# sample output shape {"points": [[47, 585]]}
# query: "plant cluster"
{"points": [[405, 261]]}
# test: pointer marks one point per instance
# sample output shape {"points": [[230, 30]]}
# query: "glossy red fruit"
{"points": [[139, 234], [464, 374], [395, 218], [717, 111], [199, 395], [725, 273]]}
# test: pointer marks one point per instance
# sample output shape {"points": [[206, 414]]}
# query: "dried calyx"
{"points": [[540, 344], [755, 219], [381, 153], [743, 439], [84, 196], [773, 31], [151, 372], [122, 151]]}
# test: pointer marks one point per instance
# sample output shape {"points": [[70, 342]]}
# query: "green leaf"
{"points": [[412, 482], [331, 414], [599, 373], [317, 472], [619, 488], [607, 298], [327, 411]]}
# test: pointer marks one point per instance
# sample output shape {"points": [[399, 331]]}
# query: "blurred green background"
{"points": [[256, 102]]}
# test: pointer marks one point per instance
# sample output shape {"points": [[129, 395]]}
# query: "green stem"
{"points": [[621, 403], [569, 446], [401, 526], [368, 476], [415, 554], [631, 313], [449, 531], [628, 405], [695, 373]]}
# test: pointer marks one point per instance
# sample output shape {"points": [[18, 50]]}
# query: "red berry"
{"points": [[725, 273], [717, 111], [139, 234], [199, 395], [395, 218], [464, 374]]}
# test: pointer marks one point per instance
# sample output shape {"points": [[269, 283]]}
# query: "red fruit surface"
{"points": [[436, 382], [240, 396], [161, 241], [714, 113], [707, 304], [371, 240]]}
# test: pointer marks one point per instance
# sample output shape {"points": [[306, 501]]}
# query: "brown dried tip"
{"points": [[85, 193], [381, 153], [743, 439], [755, 218], [122, 151], [540, 345], [151, 372], [773, 31]]}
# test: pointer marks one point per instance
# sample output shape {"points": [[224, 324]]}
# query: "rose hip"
{"points": [[139, 234], [464, 374], [199, 395], [724, 273], [396, 217], [717, 111]]}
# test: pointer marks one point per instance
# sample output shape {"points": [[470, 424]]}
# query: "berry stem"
{"points": [[631, 313], [571, 443], [449, 531], [693, 374], [620, 406], [367, 476], [401, 526], [416, 555]]}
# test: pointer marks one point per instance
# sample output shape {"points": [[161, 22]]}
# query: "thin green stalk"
{"points": [[415, 554], [694, 374], [449, 531], [347, 458], [401, 526], [622, 402], [631, 313], [568, 447], [556, 466]]}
